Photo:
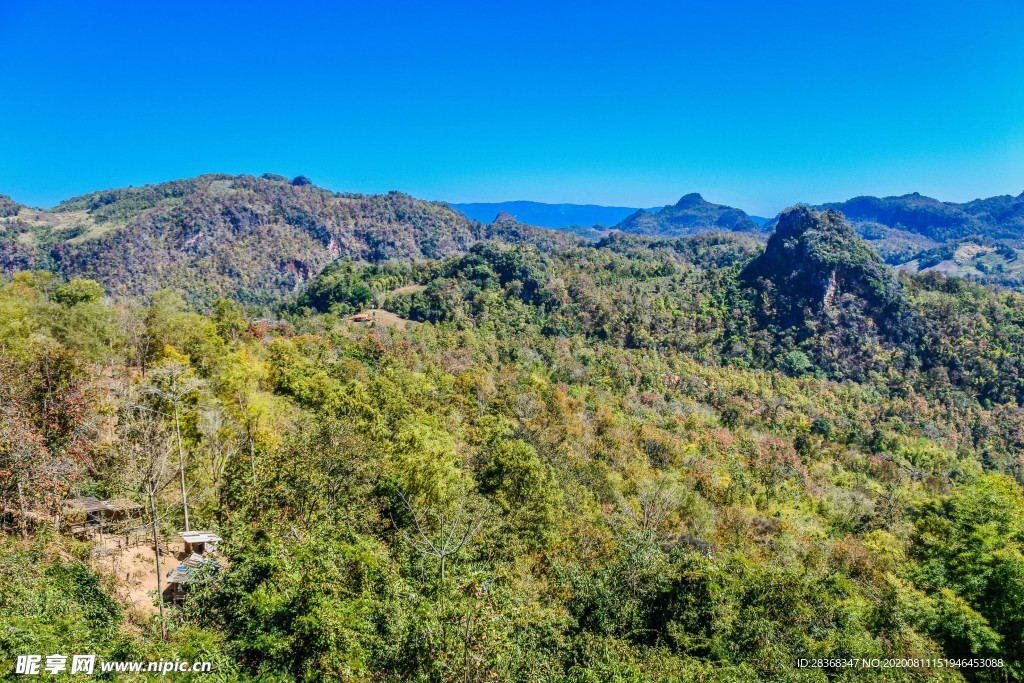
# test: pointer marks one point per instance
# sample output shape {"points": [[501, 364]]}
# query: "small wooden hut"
{"points": [[193, 569], [83, 516], [87, 515]]}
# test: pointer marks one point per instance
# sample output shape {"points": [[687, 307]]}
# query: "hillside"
{"points": [[998, 217], [259, 238], [691, 215], [8, 207], [982, 239], [825, 291], [540, 458], [250, 238]]}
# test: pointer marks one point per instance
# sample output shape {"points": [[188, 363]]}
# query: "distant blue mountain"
{"points": [[691, 215], [548, 215]]}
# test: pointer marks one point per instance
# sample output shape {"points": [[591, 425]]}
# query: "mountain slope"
{"points": [[814, 259], [662, 457], [8, 207], [689, 216], [256, 238], [243, 236], [999, 217]]}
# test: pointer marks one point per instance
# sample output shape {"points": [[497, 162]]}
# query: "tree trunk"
{"points": [[181, 462], [252, 460], [159, 576], [23, 522]]}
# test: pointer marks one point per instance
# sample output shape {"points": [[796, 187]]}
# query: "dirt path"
{"points": [[134, 572], [380, 318], [409, 289]]}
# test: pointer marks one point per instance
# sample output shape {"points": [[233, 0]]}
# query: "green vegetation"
{"points": [[639, 459], [998, 217], [980, 240], [247, 238], [8, 207], [256, 239]]}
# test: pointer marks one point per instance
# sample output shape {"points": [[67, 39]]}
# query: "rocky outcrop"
{"points": [[823, 288], [814, 258]]}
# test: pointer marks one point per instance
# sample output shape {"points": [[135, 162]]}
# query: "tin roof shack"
{"points": [[193, 569], [198, 542]]}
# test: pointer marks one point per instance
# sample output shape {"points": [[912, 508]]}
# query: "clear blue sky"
{"points": [[756, 104]]}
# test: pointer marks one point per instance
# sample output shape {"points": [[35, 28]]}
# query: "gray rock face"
{"points": [[815, 261]]}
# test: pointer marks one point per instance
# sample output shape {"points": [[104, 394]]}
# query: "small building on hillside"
{"points": [[199, 542], [88, 515], [193, 569], [83, 515], [123, 510]]}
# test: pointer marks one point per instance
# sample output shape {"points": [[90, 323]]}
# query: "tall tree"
{"points": [[173, 385], [145, 453]]}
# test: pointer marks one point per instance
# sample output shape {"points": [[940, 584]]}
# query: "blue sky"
{"points": [[754, 104]]}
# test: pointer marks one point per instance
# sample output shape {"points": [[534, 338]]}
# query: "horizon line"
{"points": [[615, 205]]}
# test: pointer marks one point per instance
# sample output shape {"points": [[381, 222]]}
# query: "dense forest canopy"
{"points": [[480, 453]]}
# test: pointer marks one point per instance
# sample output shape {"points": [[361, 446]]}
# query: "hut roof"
{"points": [[122, 505], [199, 537], [92, 504], [85, 504], [188, 570]]}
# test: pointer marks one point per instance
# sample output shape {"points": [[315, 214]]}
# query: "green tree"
{"points": [[78, 291]]}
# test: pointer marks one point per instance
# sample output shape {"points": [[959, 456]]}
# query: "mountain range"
{"points": [[982, 239], [252, 238], [559, 216], [256, 238], [690, 215], [593, 219]]}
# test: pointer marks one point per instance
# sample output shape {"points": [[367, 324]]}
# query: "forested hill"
{"points": [[982, 240], [251, 238], [691, 215], [256, 239], [8, 207], [998, 217]]}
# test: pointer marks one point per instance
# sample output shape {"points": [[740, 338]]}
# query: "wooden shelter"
{"points": [[123, 510], [193, 569], [87, 515]]}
